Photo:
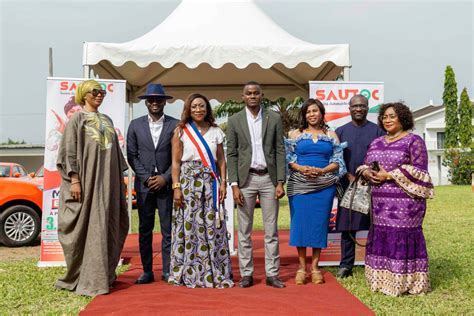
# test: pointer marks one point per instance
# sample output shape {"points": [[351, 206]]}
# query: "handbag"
{"points": [[358, 196]]}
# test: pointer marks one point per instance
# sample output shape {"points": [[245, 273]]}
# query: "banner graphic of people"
{"points": [[60, 107], [335, 95]]}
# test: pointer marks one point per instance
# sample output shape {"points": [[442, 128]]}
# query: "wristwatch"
{"points": [[176, 185]]}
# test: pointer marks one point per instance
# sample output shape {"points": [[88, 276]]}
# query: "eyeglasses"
{"points": [[95, 92], [157, 100]]}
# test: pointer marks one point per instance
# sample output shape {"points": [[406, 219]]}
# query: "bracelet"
{"points": [[75, 182], [176, 185]]}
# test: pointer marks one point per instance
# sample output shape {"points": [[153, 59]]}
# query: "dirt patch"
{"points": [[20, 253]]}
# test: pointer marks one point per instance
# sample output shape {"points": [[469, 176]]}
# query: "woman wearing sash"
{"points": [[316, 163], [199, 247]]}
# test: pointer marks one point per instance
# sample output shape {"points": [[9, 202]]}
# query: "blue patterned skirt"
{"points": [[199, 250]]}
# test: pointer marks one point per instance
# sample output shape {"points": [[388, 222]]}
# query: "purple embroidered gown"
{"points": [[396, 257]]}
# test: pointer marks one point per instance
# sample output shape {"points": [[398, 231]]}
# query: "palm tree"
{"points": [[289, 110]]}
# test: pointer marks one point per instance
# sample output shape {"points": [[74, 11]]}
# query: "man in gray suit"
{"points": [[149, 155], [256, 167]]}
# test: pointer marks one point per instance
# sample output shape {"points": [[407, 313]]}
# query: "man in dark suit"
{"points": [[149, 155], [256, 167], [358, 134]]}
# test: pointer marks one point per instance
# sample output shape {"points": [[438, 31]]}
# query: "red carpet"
{"points": [[160, 298]]}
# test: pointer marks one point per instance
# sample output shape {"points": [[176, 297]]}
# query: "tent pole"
{"points": [[50, 72], [130, 179], [86, 71], [347, 74]]}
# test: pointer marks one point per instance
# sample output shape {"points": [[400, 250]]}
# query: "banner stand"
{"points": [[60, 106]]}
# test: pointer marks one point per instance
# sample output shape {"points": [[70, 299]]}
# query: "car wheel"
{"points": [[19, 226]]}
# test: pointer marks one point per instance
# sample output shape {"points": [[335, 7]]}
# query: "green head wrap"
{"points": [[83, 88]]}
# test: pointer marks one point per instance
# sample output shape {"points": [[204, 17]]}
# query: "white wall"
{"points": [[430, 126]]}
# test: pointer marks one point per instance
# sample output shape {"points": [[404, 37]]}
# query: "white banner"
{"points": [[59, 108], [335, 95]]}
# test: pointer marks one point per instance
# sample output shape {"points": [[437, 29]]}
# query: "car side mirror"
{"points": [[16, 174], [32, 174]]}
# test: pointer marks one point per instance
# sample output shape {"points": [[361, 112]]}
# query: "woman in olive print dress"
{"points": [[199, 246], [92, 218]]}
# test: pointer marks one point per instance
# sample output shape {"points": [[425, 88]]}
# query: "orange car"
{"points": [[11, 169], [20, 208]]}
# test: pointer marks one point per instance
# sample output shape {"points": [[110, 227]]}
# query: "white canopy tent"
{"points": [[213, 47]]}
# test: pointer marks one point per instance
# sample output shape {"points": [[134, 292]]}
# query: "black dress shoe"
{"points": [[275, 282], [344, 272], [145, 278], [165, 276], [246, 281]]}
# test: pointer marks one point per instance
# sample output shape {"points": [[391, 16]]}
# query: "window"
{"points": [[4, 171], [440, 139], [19, 170]]}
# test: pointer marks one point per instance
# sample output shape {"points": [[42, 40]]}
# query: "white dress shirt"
{"points": [[155, 128], [255, 129]]}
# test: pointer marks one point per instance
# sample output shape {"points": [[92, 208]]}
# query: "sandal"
{"points": [[317, 277], [300, 278]]}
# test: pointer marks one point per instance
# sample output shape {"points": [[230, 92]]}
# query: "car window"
{"points": [[4, 171], [22, 171], [40, 172], [15, 170]]}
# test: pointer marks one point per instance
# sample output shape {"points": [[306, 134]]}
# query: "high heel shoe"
{"points": [[317, 277], [300, 278]]}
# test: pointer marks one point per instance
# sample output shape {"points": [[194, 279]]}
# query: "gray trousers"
{"points": [[264, 188]]}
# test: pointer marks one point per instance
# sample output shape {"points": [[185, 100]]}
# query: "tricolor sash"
{"points": [[207, 160]]}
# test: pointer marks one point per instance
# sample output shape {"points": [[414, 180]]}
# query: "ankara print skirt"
{"points": [[199, 250]]}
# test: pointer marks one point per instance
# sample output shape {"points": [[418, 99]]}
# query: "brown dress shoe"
{"points": [[246, 281], [275, 282]]}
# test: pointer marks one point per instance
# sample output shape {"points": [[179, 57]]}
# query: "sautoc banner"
{"points": [[60, 107], [335, 95]]}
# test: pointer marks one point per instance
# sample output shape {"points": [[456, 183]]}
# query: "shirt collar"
{"points": [[160, 120], [250, 115]]}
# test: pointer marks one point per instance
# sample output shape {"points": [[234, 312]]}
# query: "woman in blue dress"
{"points": [[315, 159]]}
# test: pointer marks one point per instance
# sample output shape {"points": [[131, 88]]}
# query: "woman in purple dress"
{"points": [[396, 257]]}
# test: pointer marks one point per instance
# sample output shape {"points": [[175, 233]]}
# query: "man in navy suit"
{"points": [[149, 155]]}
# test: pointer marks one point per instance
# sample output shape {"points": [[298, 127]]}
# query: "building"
{"points": [[430, 124]]}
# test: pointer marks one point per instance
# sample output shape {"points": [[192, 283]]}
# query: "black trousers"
{"points": [[347, 249], [147, 205]]}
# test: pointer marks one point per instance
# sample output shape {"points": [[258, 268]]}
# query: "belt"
{"points": [[259, 172]]}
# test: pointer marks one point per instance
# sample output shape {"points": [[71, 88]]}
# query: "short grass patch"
{"points": [[26, 289]]}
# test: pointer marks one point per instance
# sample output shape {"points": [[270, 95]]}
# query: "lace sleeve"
{"points": [[338, 157], [290, 146], [414, 178]]}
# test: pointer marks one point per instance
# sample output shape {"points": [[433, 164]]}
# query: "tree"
{"points": [[458, 155], [288, 109], [13, 142], [450, 101], [465, 120], [462, 173]]}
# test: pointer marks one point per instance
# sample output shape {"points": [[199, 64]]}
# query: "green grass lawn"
{"points": [[26, 289]]}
